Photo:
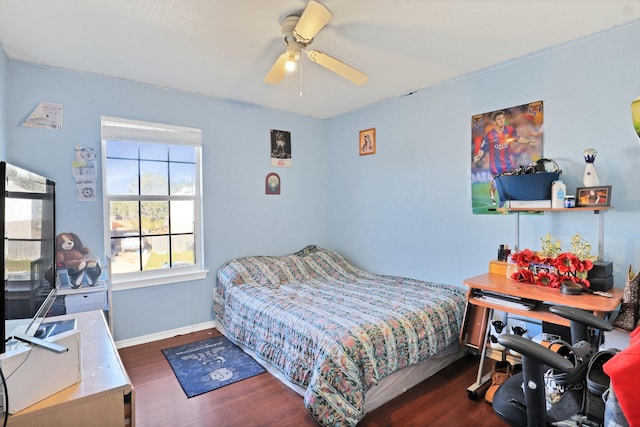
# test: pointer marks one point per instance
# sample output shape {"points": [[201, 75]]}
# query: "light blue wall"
{"points": [[239, 218], [407, 209], [3, 104]]}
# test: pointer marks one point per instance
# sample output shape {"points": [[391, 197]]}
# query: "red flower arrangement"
{"points": [[550, 272]]}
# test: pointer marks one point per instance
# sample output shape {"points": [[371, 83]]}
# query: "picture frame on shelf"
{"points": [[599, 196]]}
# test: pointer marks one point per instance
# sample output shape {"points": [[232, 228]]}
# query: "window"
{"points": [[152, 202]]}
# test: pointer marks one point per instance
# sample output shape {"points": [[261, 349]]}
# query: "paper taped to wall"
{"points": [[47, 115]]}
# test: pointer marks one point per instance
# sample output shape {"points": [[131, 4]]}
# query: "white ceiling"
{"points": [[224, 48]]}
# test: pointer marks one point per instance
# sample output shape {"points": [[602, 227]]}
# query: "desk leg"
{"points": [[481, 380]]}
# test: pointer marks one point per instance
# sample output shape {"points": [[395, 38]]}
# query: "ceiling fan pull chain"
{"points": [[300, 66]]}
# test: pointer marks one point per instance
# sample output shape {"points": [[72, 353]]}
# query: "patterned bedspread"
{"points": [[332, 328]]}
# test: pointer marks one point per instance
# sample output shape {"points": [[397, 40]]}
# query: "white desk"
{"points": [[104, 397]]}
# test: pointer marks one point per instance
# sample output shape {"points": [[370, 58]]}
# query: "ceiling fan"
{"points": [[298, 33]]}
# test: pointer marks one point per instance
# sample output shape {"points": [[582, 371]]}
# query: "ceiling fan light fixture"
{"points": [[292, 55], [290, 65]]}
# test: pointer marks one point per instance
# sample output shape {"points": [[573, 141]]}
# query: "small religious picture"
{"points": [[280, 148], [368, 141], [272, 183]]}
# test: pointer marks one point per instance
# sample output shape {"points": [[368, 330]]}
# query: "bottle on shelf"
{"points": [[558, 191]]}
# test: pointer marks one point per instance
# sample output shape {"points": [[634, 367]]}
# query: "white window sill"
{"points": [[162, 277]]}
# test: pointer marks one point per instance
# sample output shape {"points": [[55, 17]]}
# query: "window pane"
{"points": [[158, 254], [182, 153], [154, 178], [123, 150], [125, 262], [182, 217], [183, 178], [122, 178], [154, 152], [182, 250], [124, 217], [154, 217]]}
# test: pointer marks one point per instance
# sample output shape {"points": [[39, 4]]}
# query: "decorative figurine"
{"points": [[590, 177]]}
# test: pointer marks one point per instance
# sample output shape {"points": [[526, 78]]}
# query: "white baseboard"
{"points": [[165, 334]]}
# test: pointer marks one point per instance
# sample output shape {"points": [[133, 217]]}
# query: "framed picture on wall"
{"points": [[368, 141], [593, 196], [272, 183]]}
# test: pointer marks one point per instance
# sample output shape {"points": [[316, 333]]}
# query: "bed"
{"points": [[346, 339]]}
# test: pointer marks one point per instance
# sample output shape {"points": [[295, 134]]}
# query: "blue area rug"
{"points": [[209, 364]]}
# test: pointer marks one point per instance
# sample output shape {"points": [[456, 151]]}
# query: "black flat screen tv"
{"points": [[27, 222]]}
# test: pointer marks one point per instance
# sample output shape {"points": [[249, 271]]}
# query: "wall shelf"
{"points": [[594, 209], [581, 208]]}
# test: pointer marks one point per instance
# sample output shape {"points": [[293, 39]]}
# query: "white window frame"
{"points": [[115, 128]]}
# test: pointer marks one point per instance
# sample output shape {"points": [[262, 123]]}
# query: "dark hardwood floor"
{"points": [[263, 401]]}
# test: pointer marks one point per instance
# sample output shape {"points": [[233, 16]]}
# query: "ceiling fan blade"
{"points": [[276, 74], [338, 67], [314, 17]]}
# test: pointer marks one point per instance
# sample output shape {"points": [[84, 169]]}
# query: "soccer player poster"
{"points": [[501, 141]]}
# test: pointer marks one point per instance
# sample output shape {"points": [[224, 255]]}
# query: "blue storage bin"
{"points": [[533, 186]]}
